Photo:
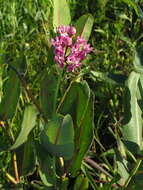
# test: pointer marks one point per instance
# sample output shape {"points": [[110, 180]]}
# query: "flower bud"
{"points": [[71, 31]]}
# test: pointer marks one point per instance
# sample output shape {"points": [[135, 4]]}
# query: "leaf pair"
{"points": [[58, 136], [70, 135], [78, 102], [61, 16]]}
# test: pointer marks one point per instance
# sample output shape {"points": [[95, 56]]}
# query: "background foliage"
{"points": [[113, 72]]}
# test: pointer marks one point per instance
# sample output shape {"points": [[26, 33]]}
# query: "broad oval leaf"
{"points": [[10, 96], [75, 101], [12, 87], [28, 123], [46, 166], [61, 13], [114, 79], [122, 163], [84, 137], [84, 26], [29, 159], [122, 168], [58, 137], [47, 93], [132, 129]]}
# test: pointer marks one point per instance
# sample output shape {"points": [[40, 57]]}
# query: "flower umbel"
{"points": [[69, 53]]}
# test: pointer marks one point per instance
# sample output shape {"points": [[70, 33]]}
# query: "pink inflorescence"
{"points": [[69, 53]]}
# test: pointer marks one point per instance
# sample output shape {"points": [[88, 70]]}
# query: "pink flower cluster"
{"points": [[69, 53]]}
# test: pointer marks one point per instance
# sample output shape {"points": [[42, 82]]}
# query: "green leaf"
{"points": [[84, 137], [58, 137], [1, 72], [136, 182], [46, 166], [65, 183], [75, 101], [141, 12], [132, 4], [132, 129], [11, 87], [140, 92], [61, 13], [48, 86], [68, 101], [138, 60], [28, 123], [84, 26], [82, 99], [10, 96], [122, 168], [29, 159], [90, 178], [124, 16], [114, 79], [81, 183]]}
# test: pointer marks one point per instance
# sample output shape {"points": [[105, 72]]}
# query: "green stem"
{"points": [[63, 98], [54, 166], [11, 134], [7, 133], [56, 92], [133, 172]]}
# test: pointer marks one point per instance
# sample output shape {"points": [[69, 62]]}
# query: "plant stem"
{"points": [[95, 165], [14, 156], [12, 139], [15, 167], [63, 98], [56, 92], [11, 134], [11, 178], [133, 172]]}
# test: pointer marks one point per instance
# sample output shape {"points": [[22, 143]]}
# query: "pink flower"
{"points": [[81, 40], [64, 45], [62, 29], [66, 30], [61, 41], [71, 31]]}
